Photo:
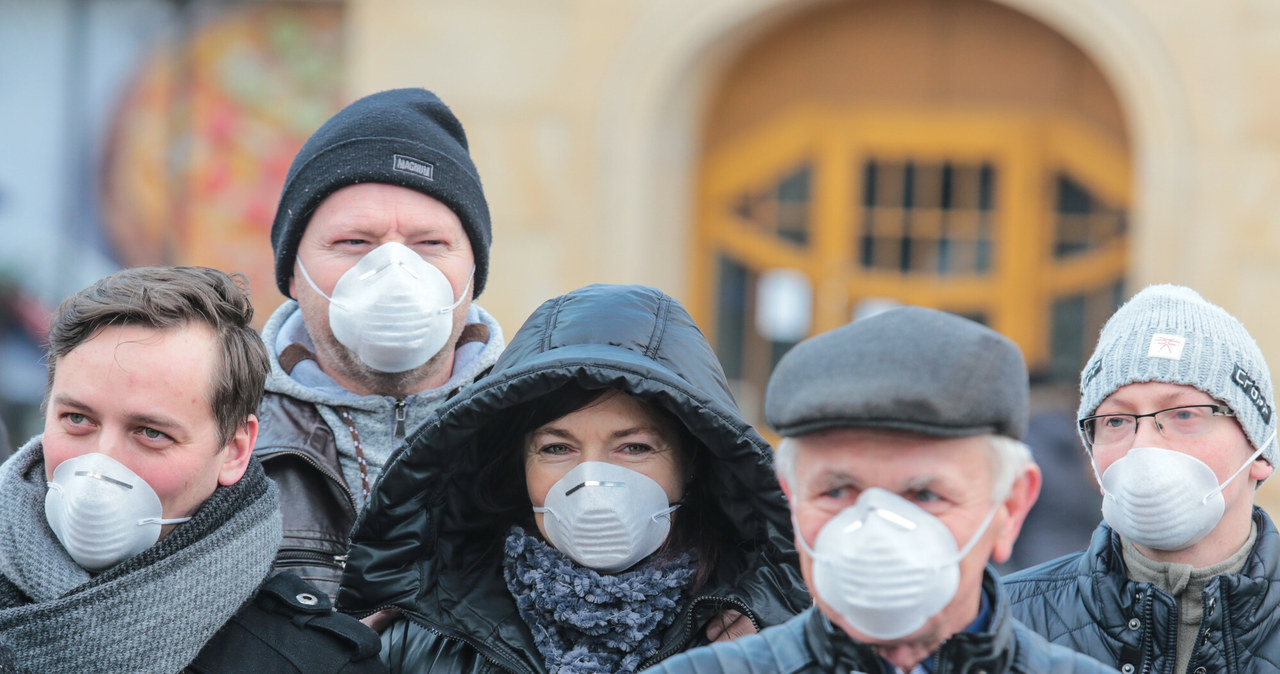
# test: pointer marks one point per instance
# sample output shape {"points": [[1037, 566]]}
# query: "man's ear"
{"points": [[1260, 470], [238, 450], [1023, 495]]}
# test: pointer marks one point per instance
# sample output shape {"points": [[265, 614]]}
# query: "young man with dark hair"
{"points": [[137, 531]]}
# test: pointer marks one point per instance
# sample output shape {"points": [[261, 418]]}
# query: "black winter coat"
{"points": [[811, 644], [418, 546], [1086, 601], [290, 628]]}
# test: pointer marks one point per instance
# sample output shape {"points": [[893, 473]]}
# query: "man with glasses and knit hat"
{"points": [[1177, 414]]}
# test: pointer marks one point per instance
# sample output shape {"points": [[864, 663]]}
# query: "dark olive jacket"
{"points": [[1086, 601], [418, 546], [810, 644]]}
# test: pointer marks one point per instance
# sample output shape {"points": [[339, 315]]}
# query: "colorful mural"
{"points": [[200, 144]]}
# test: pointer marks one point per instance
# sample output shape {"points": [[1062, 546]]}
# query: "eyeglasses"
{"points": [[1176, 422]]}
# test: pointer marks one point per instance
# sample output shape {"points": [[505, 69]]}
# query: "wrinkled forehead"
{"points": [[890, 459]]}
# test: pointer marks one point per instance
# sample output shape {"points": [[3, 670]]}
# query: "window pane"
{"points": [[1082, 221], [782, 208], [926, 218], [731, 315]]}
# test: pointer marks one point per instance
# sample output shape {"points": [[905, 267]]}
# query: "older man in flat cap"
{"points": [[902, 460]]}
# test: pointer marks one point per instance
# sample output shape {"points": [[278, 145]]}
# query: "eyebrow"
{"points": [[825, 480], [1162, 402], [158, 422], [921, 482], [154, 421], [565, 434], [65, 400], [911, 484]]}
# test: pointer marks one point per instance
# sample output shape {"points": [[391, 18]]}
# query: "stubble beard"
{"points": [[334, 355], [341, 363]]}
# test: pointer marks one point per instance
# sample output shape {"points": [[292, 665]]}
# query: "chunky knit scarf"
{"points": [[150, 613], [585, 621]]}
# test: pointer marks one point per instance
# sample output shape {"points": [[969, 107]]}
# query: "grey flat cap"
{"points": [[908, 369]]}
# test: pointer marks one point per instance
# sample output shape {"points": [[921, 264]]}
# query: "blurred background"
{"points": [[780, 166]]}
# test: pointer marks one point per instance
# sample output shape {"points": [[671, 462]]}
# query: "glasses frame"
{"points": [[1218, 409]]}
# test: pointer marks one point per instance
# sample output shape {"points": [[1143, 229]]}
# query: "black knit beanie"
{"points": [[404, 137]]}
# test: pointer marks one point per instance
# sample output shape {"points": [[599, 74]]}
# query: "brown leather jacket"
{"points": [[298, 451]]}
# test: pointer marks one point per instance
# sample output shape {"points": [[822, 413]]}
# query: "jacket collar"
{"points": [[991, 650], [1111, 595]]}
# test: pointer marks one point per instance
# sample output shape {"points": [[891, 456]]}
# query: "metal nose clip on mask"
{"points": [[102, 512], [1163, 499], [393, 309], [606, 517], [886, 565]]}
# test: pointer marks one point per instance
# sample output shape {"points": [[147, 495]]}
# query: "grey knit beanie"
{"points": [[404, 137], [1170, 334]]}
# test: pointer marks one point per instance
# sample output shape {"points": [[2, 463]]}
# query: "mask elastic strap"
{"points": [[311, 283], [158, 520], [795, 526], [1093, 463], [1244, 465], [982, 528], [462, 294], [664, 512]]}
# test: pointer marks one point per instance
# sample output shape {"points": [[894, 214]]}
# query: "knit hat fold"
{"points": [[1168, 333]]}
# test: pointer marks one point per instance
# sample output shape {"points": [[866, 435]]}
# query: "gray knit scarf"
{"points": [[585, 621], [150, 613]]}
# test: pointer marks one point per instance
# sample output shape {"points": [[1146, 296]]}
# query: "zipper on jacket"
{"points": [[413, 617], [1147, 636], [401, 413], [351, 498], [305, 556], [1208, 604], [689, 627]]}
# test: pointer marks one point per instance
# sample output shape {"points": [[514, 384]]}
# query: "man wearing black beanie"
{"points": [[382, 240]]}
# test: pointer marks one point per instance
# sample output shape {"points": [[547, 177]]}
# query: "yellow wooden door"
{"points": [[1015, 219]]}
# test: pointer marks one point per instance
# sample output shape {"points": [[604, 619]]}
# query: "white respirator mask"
{"points": [[606, 517], [393, 309], [102, 512], [886, 565], [1163, 499]]}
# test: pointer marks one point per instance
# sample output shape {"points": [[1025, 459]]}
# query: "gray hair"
{"points": [[1008, 457]]}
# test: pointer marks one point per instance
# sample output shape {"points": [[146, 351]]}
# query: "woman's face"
{"points": [[615, 428]]}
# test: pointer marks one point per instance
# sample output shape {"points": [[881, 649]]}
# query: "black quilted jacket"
{"points": [[1086, 601]]}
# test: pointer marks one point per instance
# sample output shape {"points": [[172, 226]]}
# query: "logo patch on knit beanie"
{"points": [[1251, 389], [1168, 347], [414, 166]]}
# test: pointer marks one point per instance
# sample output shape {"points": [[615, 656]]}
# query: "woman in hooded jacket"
{"points": [[595, 504]]}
